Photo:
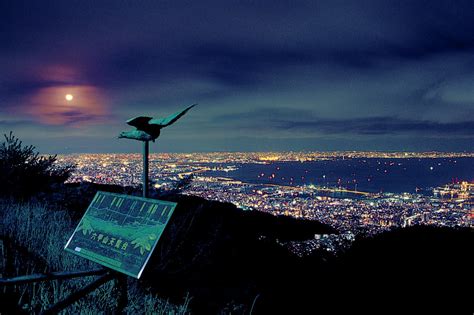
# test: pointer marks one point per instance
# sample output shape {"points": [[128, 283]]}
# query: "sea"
{"points": [[412, 175]]}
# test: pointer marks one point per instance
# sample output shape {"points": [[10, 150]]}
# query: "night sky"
{"points": [[268, 75]]}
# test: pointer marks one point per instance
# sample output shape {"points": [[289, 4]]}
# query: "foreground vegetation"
{"points": [[33, 234], [36, 235], [24, 172]]}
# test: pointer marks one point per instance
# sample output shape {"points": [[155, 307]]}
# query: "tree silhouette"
{"points": [[24, 172]]}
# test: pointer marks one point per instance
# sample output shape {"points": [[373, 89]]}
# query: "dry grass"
{"points": [[43, 232]]}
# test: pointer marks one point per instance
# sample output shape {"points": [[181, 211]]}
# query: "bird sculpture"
{"points": [[148, 128]]}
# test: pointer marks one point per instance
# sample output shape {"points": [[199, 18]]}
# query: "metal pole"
{"points": [[51, 276], [122, 286], [146, 150]]}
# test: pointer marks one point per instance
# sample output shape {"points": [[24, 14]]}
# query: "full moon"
{"points": [[69, 97]]}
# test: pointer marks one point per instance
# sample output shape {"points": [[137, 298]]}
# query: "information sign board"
{"points": [[120, 231]]}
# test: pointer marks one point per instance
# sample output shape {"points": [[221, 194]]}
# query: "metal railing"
{"points": [[106, 275]]}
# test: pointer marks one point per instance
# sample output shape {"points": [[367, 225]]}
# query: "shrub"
{"points": [[23, 172]]}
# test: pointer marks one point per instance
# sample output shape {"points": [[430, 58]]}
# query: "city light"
{"points": [[334, 203]]}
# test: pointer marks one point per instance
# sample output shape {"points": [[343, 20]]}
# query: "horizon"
{"points": [[277, 152]]}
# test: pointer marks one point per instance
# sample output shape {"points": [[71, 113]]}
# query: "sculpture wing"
{"points": [[163, 122], [139, 122]]}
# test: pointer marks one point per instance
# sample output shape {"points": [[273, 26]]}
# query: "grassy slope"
{"points": [[43, 231]]}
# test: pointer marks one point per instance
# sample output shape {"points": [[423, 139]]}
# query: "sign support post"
{"points": [[146, 151], [148, 129], [122, 287]]}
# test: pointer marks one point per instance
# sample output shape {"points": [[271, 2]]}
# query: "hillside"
{"points": [[214, 251], [228, 259], [420, 269]]}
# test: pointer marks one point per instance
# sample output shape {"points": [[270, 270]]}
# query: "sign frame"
{"points": [[139, 236]]}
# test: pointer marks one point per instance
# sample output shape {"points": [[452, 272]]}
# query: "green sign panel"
{"points": [[120, 231]]}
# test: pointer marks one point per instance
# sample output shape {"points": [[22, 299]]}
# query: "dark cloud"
{"points": [[281, 120], [264, 68], [75, 117], [5, 124], [381, 126]]}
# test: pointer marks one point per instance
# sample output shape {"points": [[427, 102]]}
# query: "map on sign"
{"points": [[120, 231]]}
